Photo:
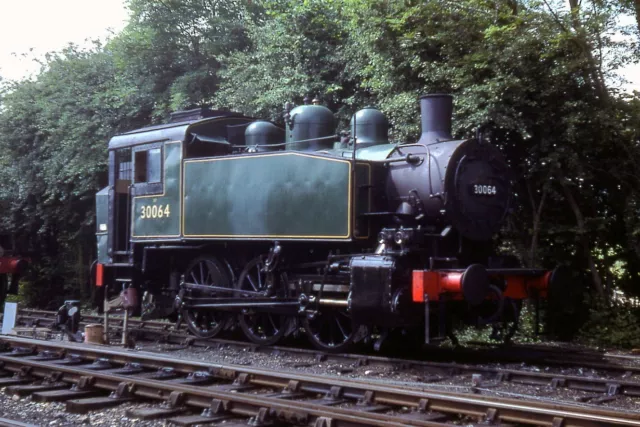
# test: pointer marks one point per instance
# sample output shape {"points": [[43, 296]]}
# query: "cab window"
{"points": [[148, 165], [124, 166]]}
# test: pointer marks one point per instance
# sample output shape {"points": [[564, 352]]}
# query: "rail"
{"points": [[286, 397]]}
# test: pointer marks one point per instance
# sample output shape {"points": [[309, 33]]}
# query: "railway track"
{"points": [[612, 364], [476, 350], [90, 377], [6, 422], [603, 381]]}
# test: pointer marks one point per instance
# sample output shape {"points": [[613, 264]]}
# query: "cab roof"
{"points": [[214, 125]]}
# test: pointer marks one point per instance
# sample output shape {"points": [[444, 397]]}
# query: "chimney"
{"points": [[435, 115]]}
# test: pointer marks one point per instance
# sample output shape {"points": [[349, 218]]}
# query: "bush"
{"points": [[614, 324], [42, 287], [525, 333]]}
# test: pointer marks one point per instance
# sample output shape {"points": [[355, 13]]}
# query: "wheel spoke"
{"points": [[209, 279], [330, 330], [250, 280], [205, 271], [202, 280], [259, 327], [273, 323], [344, 334], [258, 267]]}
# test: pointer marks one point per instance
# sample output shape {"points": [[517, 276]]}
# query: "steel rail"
{"points": [[6, 422], [588, 358], [505, 410], [165, 330], [235, 403], [604, 386]]}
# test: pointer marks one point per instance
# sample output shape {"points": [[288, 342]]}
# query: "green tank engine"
{"points": [[227, 221]]}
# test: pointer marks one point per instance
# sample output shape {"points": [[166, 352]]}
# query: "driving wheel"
{"points": [[208, 271], [330, 329], [261, 327]]}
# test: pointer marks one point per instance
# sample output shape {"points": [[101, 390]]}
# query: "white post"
{"points": [[10, 316], [106, 314], [125, 325]]}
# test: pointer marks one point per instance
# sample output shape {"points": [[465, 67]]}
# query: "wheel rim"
{"points": [[206, 323], [260, 327], [330, 329]]}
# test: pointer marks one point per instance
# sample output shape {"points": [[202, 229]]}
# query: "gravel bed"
{"points": [[427, 379], [54, 414]]}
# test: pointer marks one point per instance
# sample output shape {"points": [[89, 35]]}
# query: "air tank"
{"points": [[310, 128], [263, 134], [370, 127]]}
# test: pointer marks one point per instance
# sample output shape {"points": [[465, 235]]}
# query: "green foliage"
{"points": [[526, 332], [297, 49], [169, 53], [612, 324], [53, 132]]}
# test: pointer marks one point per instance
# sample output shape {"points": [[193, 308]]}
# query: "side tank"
{"points": [[310, 128]]}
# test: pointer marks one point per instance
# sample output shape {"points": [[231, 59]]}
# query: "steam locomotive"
{"points": [[229, 221]]}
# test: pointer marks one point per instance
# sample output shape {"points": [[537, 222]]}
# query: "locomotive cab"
{"points": [[142, 202]]}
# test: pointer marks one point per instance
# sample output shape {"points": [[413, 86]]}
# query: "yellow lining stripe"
{"points": [[369, 196]]}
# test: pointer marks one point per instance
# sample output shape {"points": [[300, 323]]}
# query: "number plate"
{"points": [[154, 211], [483, 190]]}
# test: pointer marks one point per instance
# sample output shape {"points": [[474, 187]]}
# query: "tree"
{"points": [[296, 50], [169, 52], [52, 137], [534, 75]]}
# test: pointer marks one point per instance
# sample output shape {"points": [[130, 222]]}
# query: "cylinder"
{"points": [[475, 284], [451, 282], [12, 265], [436, 112], [93, 334]]}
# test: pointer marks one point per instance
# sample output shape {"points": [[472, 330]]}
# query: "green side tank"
{"points": [[262, 134], [370, 127], [309, 128]]}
